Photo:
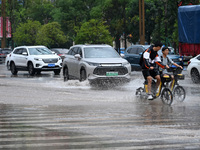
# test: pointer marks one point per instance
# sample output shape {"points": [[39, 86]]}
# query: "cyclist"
{"points": [[148, 62], [167, 61]]}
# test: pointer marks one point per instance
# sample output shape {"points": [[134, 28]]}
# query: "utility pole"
{"points": [[3, 14], [142, 22]]}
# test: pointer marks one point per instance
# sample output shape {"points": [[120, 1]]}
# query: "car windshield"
{"points": [[100, 52], [60, 51], [56, 51], [5, 51], [40, 51]]}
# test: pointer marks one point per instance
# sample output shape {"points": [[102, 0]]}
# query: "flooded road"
{"points": [[43, 112]]}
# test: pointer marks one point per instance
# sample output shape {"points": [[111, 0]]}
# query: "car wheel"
{"points": [[31, 69], [195, 75], [65, 74], [8, 66], [57, 72], [13, 68], [83, 75]]}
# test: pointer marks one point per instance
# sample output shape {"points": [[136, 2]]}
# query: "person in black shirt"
{"points": [[149, 63]]}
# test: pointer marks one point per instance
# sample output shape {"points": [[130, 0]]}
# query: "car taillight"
{"points": [[189, 62]]}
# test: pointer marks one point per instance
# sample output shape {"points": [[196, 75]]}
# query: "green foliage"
{"points": [[93, 32], [26, 33], [51, 35], [39, 10], [120, 16]]}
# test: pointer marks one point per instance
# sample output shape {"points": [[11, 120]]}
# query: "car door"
{"points": [[139, 52], [16, 56], [70, 61], [77, 62], [23, 58], [132, 55]]}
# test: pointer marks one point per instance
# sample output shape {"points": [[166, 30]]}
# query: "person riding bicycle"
{"points": [[149, 62], [167, 61]]}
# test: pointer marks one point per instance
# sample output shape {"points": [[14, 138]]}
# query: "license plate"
{"points": [[51, 65], [111, 74]]}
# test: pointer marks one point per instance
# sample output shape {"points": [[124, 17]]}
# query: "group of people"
{"points": [[150, 63]]}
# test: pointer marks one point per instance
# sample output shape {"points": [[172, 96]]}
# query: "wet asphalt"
{"points": [[43, 112]]}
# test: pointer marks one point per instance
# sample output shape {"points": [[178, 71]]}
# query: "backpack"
{"points": [[141, 59]]}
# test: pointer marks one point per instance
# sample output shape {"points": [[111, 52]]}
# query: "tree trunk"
{"points": [[117, 41], [166, 23]]}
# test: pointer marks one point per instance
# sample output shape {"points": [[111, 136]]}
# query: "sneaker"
{"points": [[150, 97]]}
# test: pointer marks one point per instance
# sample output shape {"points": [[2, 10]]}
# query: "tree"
{"points": [[51, 35], [39, 10], [93, 32], [70, 13], [26, 33]]}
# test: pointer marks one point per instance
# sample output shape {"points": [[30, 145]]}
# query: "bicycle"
{"points": [[177, 90], [163, 91]]}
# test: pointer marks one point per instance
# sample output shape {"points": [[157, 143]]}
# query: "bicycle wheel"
{"points": [[179, 93], [139, 91], [167, 96]]}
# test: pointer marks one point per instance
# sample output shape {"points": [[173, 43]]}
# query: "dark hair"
{"points": [[156, 44], [164, 48]]}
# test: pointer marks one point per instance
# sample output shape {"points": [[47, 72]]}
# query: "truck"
{"points": [[189, 31]]}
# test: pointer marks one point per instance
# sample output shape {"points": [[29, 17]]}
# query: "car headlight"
{"points": [[93, 64], [125, 63], [38, 59]]}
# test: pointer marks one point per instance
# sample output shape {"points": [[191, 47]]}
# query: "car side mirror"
{"points": [[78, 56], [140, 53], [25, 53], [54, 53]]}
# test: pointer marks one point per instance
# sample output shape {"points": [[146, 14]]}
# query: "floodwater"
{"points": [[43, 112]]}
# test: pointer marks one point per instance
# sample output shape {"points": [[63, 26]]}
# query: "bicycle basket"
{"points": [[166, 78], [175, 70], [180, 77]]}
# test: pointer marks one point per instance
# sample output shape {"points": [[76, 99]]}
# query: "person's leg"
{"points": [[158, 81], [149, 79], [172, 77], [156, 75]]}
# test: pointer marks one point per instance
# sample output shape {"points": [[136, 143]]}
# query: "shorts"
{"points": [[152, 73]]}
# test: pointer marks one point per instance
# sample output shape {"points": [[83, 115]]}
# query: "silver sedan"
{"points": [[95, 63]]}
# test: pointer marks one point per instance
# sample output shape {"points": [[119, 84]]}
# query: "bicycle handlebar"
{"points": [[175, 70]]}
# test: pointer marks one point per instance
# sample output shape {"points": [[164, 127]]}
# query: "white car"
{"points": [[7, 61], [34, 59], [95, 63], [194, 69]]}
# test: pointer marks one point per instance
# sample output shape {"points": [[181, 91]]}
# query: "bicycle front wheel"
{"points": [[179, 93], [167, 96]]}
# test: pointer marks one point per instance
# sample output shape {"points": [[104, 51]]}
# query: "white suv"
{"points": [[95, 63], [34, 59]]}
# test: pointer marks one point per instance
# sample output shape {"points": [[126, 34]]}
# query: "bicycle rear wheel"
{"points": [[167, 96], [179, 93]]}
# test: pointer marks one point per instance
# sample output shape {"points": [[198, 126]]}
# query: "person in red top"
{"points": [[149, 63]]}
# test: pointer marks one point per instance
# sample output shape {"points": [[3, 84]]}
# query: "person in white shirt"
{"points": [[167, 61]]}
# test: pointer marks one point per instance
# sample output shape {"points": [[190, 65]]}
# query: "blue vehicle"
{"points": [[132, 55]]}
